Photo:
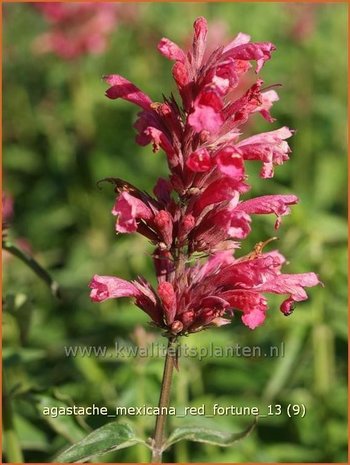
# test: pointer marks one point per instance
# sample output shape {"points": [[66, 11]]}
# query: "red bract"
{"points": [[198, 211]]}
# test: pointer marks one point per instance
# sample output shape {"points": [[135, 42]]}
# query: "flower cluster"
{"points": [[78, 28], [198, 211]]}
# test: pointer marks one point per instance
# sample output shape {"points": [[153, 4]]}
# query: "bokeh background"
{"points": [[61, 135]]}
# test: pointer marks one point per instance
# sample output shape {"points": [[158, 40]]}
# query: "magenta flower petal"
{"points": [[240, 39], [254, 318], [160, 140], [218, 191], [122, 88], [259, 51], [292, 284], [109, 287], [171, 51], [269, 147], [239, 226], [267, 100], [277, 204], [205, 118], [128, 209], [245, 300], [199, 161], [199, 40], [230, 163]]}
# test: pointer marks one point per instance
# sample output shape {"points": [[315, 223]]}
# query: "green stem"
{"points": [[13, 448], [164, 399], [34, 265]]}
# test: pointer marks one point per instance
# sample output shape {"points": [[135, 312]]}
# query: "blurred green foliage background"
{"points": [[61, 135]]}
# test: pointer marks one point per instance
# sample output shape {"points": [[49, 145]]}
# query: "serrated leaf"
{"points": [[209, 436], [108, 438]]}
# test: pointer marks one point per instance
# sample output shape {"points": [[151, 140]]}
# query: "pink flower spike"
{"points": [[198, 216], [109, 287], [167, 295], [124, 89], [199, 161], [230, 163], [129, 209], [171, 51]]}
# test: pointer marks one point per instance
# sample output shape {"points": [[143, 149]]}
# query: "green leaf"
{"points": [[30, 436], [108, 438], [209, 436]]}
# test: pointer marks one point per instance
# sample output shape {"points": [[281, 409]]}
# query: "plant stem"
{"points": [[164, 400], [34, 265]]}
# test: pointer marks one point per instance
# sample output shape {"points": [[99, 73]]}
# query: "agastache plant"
{"points": [[197, 217]]}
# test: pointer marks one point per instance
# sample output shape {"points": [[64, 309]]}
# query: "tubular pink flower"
{"points": [[171, 51], [269, 147], [260, 51], [218, 191], [277, 204], [124, 89], [109, 287]]}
